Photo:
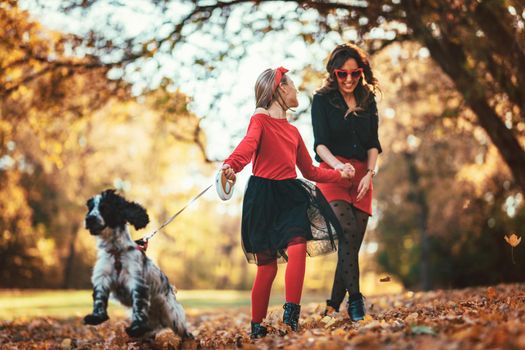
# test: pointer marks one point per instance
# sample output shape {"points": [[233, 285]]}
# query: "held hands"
{"points": [[347, 170], [228, 172]]}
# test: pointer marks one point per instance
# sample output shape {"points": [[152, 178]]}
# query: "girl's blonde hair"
{"points": [[265, 93]]}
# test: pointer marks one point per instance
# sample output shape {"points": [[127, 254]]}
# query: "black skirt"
{"points": [[277, 213]]}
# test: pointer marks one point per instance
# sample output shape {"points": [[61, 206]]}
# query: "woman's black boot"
{"points": [[258, 331], [356, 307], [291, 315]]}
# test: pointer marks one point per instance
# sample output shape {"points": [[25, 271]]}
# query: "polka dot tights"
{"points": [[353, 222]]}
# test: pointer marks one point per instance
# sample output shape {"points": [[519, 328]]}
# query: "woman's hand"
{"points": [[364, 186], [228, 172]]}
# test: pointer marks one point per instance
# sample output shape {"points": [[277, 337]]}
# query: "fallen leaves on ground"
{"points": [[473, 318]]}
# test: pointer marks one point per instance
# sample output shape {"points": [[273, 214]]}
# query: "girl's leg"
{"points": [[294, 279], [295, 269], [262, 286]]}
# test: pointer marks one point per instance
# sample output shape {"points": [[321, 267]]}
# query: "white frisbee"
{"points": [[223, 186]]}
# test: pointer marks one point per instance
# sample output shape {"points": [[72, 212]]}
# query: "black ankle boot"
{"points": [[258, 331], [291, 315], [356, 307], [330, 308]]}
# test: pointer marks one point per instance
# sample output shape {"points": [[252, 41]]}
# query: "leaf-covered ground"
{"points": [[474, 318]]}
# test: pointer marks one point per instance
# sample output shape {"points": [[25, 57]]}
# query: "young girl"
{"points": [[283, 218]]}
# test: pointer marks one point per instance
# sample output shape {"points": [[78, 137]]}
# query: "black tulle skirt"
{"points": [[277, 213]]}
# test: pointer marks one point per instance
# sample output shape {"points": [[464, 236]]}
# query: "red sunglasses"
{"points": [[343, 73]]}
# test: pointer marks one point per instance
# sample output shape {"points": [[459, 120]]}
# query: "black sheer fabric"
{"points": [[346, 279], [277, 213]]}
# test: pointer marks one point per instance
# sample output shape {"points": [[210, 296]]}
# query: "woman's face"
{"points": [[290, 94], [348, 84]]}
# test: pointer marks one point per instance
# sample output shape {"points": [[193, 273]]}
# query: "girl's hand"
{"points": [[347, 168], [345, 174], [228, 172], [350, 169], [364, 185]]}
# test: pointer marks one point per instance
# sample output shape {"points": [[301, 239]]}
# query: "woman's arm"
{"points": [[374, 148], [374, 126], [373, 154], [326, 155], [365, 182], [322, 137]]}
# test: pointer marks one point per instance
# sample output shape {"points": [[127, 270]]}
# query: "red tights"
{"points": [[294, 279]]}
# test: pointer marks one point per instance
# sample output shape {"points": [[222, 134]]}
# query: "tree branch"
{"points": [[452, 60], [490, 17]]}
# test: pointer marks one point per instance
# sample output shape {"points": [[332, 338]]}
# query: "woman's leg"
{"points": [[338, 287], [357, 234], [262, 287], [353, 222]]}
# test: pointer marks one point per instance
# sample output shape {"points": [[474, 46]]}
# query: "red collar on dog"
{"points": [[142, 245]]}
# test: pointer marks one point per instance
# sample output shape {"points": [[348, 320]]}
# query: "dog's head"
{"points": [[109, 210]]}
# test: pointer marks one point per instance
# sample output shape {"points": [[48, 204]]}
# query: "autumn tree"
{"points": [[445, 200], [43, 93], [479, 45]]}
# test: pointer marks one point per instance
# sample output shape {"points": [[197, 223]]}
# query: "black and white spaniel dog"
{"points": [[123, 269]]}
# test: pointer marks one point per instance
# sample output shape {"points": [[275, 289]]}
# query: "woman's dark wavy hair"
{"points": [[364, 91]]}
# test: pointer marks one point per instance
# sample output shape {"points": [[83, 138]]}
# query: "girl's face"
{"points": [[289, 93], [348, 79]]}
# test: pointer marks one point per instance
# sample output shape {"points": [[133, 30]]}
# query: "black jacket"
{"points": [[351, 137]]}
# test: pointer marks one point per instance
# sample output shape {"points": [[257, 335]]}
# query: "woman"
{"points": [[345, 123], [283, 218]]}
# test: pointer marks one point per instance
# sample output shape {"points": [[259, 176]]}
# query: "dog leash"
{"points": [[143, 242]]}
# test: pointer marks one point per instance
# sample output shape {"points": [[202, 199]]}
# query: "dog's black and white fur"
{"points": [[123, 269]]}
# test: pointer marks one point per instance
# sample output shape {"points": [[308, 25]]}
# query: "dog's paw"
{"points": [[137, 330], [93, 319]]}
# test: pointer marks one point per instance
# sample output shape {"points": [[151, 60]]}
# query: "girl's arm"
{"points": [[243, 153], [311, 172]]}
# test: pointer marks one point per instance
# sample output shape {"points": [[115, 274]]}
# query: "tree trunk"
{"points": [[67, 281], [493, 19], [417, 195], [452, 59]]}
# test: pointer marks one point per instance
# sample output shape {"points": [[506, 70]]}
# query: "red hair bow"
{"points": [[279, 72]]}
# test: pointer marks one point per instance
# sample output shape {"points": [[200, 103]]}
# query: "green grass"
{"points": [[23, 304]]}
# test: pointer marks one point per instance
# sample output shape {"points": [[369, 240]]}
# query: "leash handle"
{"points": [[146, 238]]}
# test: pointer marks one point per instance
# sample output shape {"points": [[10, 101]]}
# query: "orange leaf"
{"points": [[513, 240], [491, 292]]}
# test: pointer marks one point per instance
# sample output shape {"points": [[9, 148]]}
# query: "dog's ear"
{"points": [[136, 215]]}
